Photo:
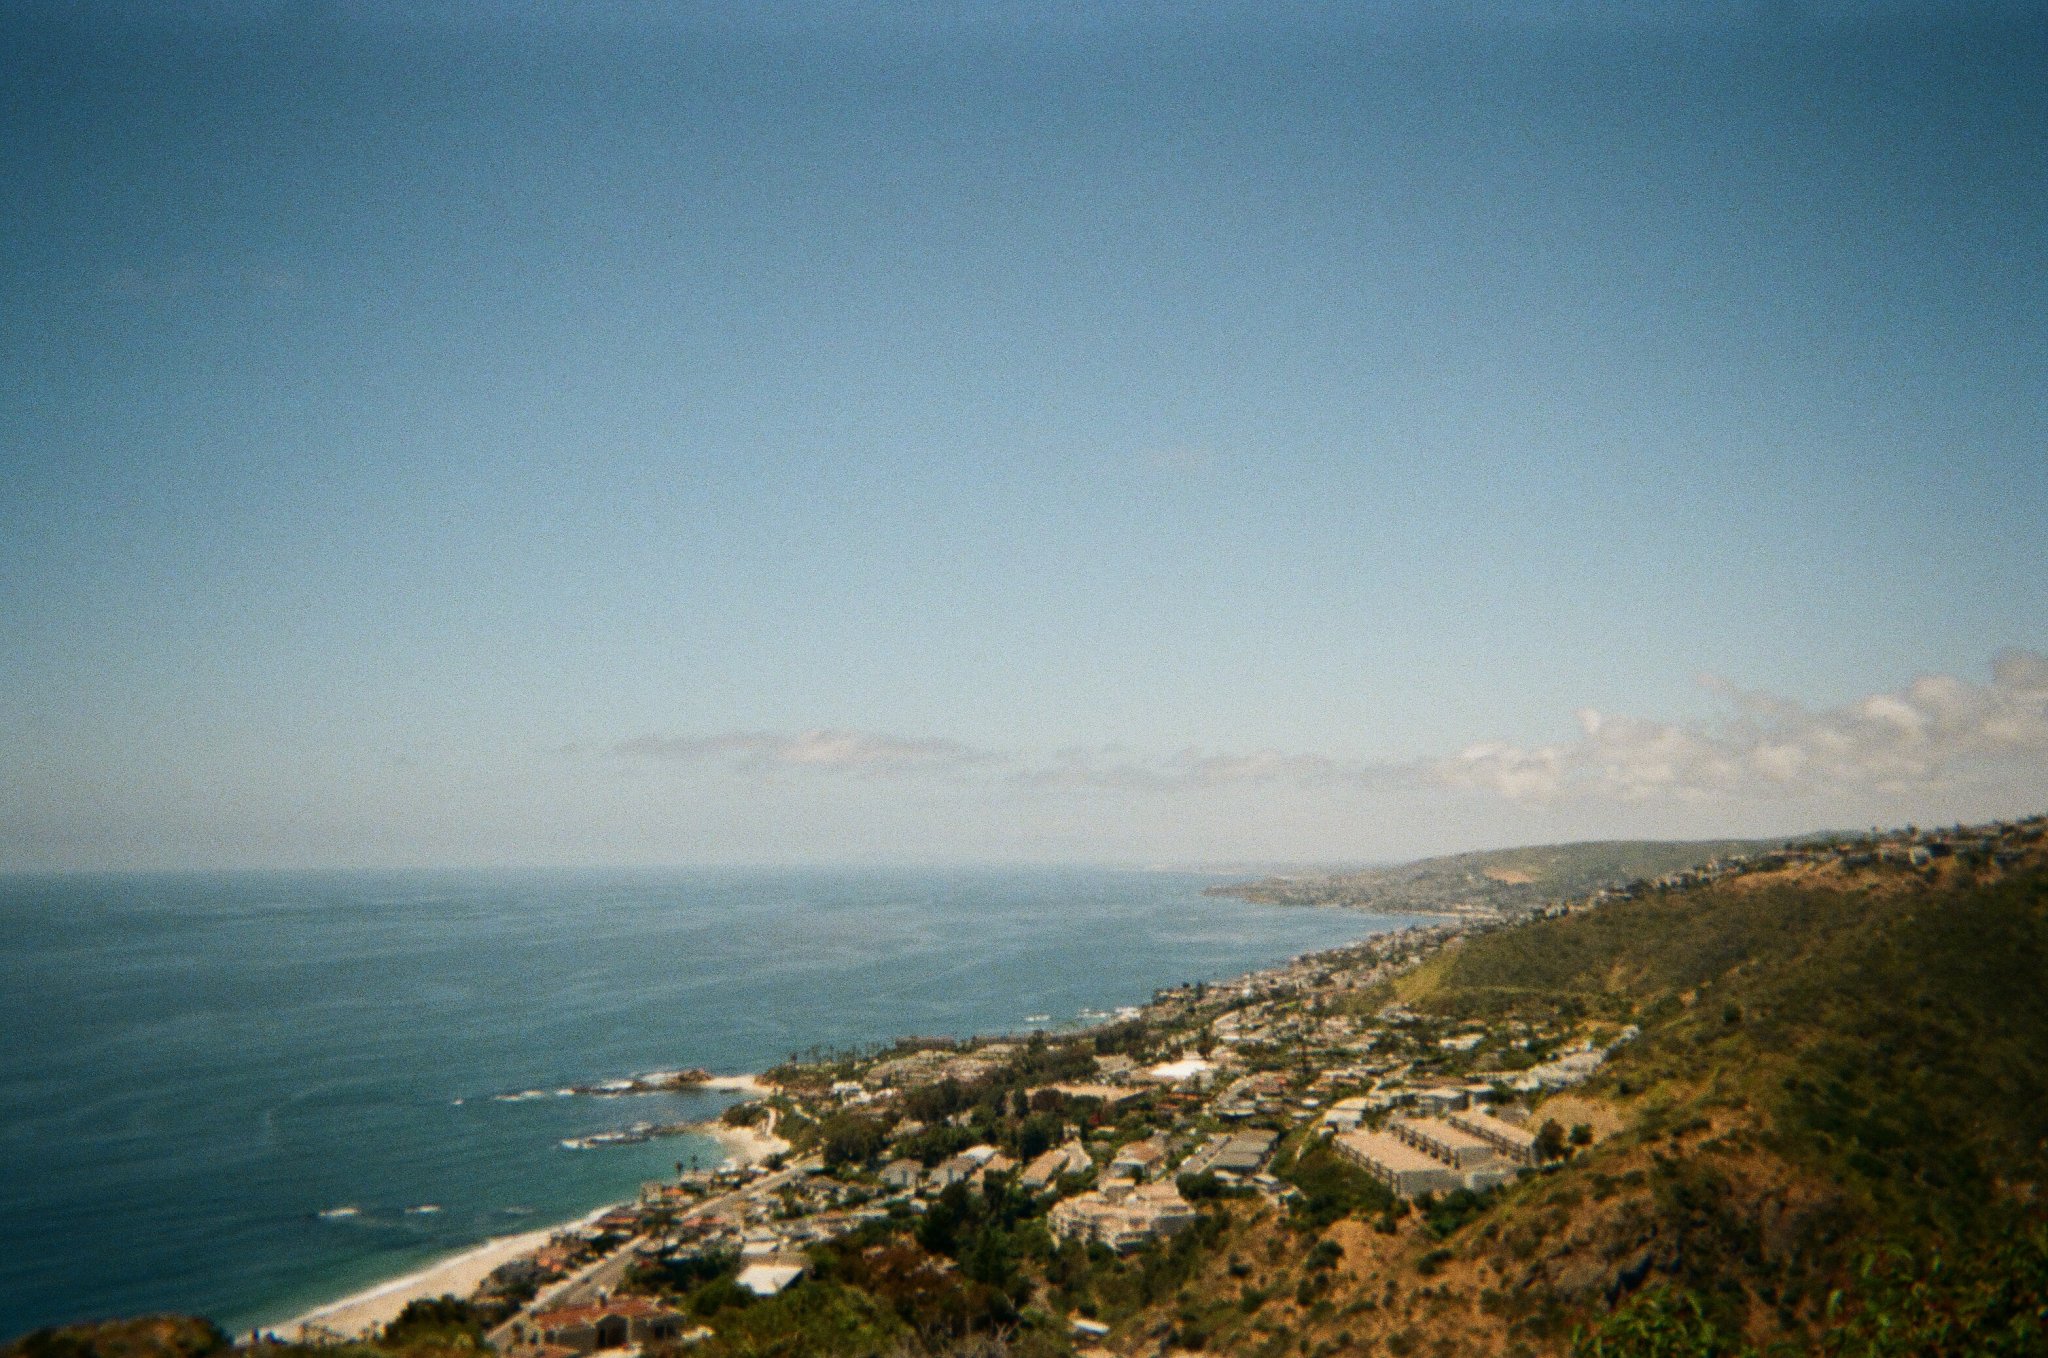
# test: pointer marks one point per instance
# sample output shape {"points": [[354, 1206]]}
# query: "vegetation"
{"points": [[146, 1337], [1495, 881], [1836, 1091], [1821, 1127], [1332, 1188]]}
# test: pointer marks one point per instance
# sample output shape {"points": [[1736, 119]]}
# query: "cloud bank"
{"points": [[1925, 737]]}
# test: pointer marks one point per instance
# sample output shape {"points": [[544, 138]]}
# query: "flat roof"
{"points": [[1453, 1136], [1500, 1126], [1388, 1152]]}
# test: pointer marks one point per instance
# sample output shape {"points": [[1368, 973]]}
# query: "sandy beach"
{"points": [[460, 1275], [747, 1145]]}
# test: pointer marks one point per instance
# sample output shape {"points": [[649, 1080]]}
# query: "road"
{"points": [[603, 1276]]}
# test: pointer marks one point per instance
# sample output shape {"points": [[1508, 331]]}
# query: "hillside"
{"points": [[1830, 1137], [1493, 882], [1797, 1105]]}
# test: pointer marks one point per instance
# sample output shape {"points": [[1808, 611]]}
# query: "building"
{"points": [[963, 1167], [1140, 1159], [1068, 1158], [1441, 1099], [1232, 1153], [1345, 1114], [769, 1276], [1191, 1071], [1121, 1216], [902, 1175], [1514, 1143], [611, 1324], [1398, 1165], [1452, 1145]]}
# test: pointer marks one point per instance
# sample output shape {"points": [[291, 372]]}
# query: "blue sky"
{"points": [[535, 433]]}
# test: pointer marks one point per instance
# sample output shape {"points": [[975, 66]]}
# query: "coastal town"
{"points": [[985, 1181]]}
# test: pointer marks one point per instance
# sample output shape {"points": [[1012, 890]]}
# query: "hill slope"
{"points": [[1832, 1132], [1494, 881]]}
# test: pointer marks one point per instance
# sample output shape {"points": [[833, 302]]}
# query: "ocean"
{"points": [[241, 1095]]}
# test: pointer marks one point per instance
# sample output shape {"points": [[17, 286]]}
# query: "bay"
{"points": [[231, 1094]]}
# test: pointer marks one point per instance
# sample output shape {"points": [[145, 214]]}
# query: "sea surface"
{"points": [[233, 1094]]}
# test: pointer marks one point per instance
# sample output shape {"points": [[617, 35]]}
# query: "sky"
{"points": [[1144, 433]]}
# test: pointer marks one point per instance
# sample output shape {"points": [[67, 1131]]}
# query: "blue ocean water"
{"points": [[194, 1068]]}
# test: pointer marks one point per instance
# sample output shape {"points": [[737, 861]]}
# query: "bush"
{"points": [[849, 1139], [744, 1114], [1331, 1188], [444, 1321], [1659, 1323]]}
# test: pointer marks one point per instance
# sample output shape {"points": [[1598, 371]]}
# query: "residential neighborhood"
{"points": [[990, 1170]]}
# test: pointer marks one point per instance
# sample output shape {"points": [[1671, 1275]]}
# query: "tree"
{"points": [[1550, 1140], [1036, 1135], [849, 1139]]}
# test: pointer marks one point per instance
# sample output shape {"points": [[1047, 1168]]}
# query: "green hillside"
{"points": [[1494, 881], [1835, 1120]]}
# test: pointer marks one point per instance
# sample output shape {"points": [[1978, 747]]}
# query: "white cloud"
{"points": [[1924, 738], [850, 751], [1937, 729]]}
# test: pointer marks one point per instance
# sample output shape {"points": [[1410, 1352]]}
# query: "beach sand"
{"points": [[747, 1145], [460, 1275], [366, 1311]]}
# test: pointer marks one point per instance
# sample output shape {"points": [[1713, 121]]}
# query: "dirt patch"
{"points": [[1569, 1110], [1510, 876]]}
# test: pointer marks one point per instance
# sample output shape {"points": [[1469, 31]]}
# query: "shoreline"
{"points": [[366, 1310], [371, 1308]]}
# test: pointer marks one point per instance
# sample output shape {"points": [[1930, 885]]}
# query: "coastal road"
{"points": [[604, 1276]]}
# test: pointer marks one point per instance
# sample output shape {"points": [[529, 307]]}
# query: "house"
{"points": [[1068, 1158], [1345, 1114], [771, 1275], [1244, 1152], [1441, 1099], [902, 1175], [1140, 1159], [958, 1169], [611, 1324], [1232, 1153]]}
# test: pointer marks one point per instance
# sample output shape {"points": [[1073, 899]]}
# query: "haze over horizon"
{"points": [[821, 433]]}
